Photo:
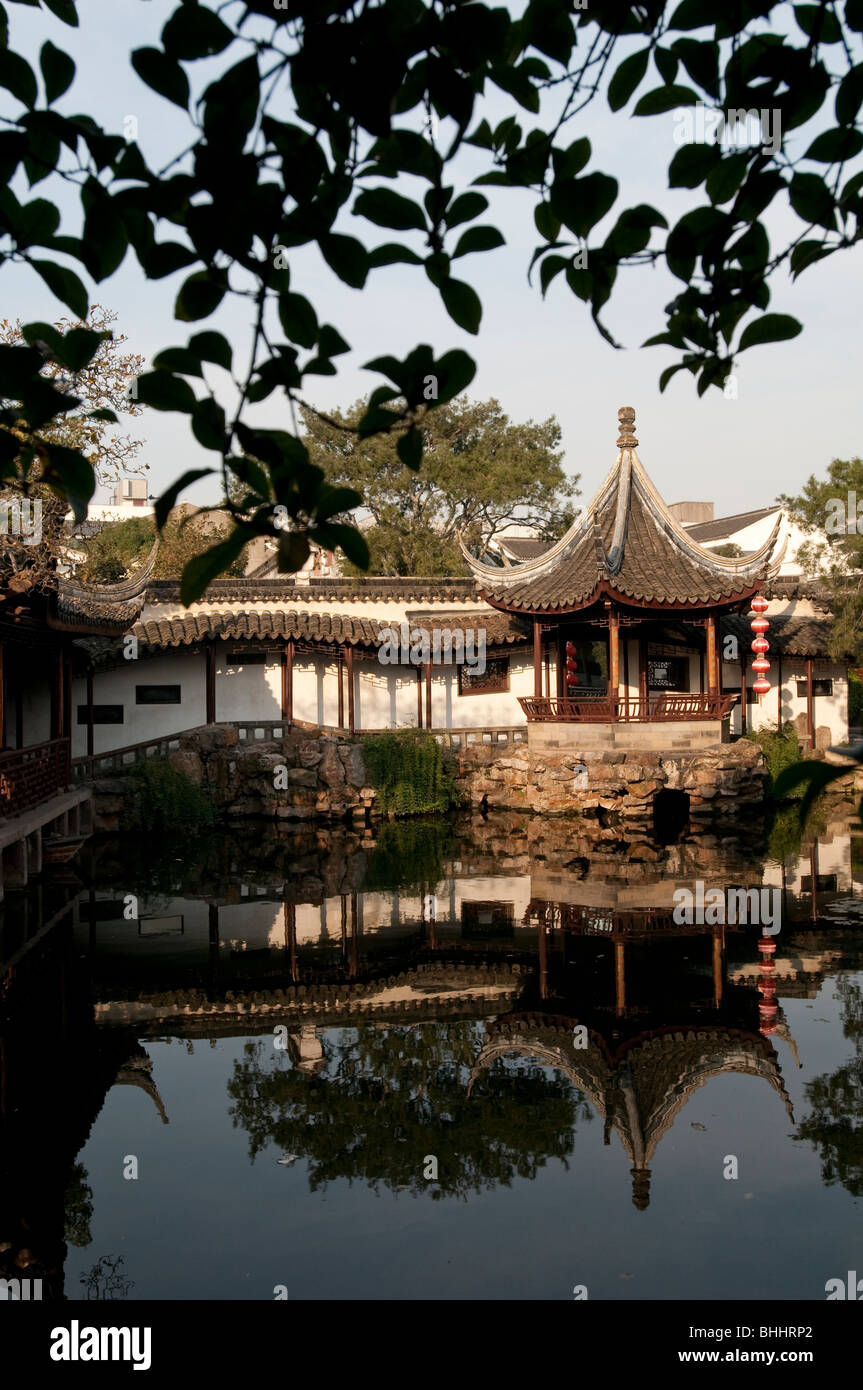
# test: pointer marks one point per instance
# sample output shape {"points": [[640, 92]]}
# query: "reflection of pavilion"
{"points": [[640, 1086]]}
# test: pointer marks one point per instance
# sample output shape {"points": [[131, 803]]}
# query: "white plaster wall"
{"points": [[250, 691], [142, 722]]}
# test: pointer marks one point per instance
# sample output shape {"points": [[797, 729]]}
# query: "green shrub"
{"points": [[408, 772], [161, 798], [410, 855], [855, 699], [781, 749]]}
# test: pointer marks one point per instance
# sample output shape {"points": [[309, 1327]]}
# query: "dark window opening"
{"points": [[824, 883], [494, 678], [819, 687], [157, 694], [102, 714], [668, 673], [487, 918]]}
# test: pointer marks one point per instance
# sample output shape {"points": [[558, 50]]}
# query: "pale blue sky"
{"points": [[793, 412]]}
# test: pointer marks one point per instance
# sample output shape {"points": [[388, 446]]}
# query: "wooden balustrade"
{"points": [[29, 776], [654, 709]]}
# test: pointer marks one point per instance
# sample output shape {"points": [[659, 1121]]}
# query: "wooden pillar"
{"points": [[547, 663], [213, 932], [211, 682], [779, 691], [2, 698], [537, 658], [355, 935], [344, 929], [625, 679], [290, 916], [428, 695], [718, 957], [619, 976], [543, 961], [288, 681], [59, 694], [712, 656], [614, 658], [743, 692], [67, 701], [419, 698], [810, 704], [643, 687], [19, 713], [340, 717], [349, 667], [90, 738]]}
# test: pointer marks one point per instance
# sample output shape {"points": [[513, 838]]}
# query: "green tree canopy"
{"points": [[341, 125], [827, 508], [479, 472]]}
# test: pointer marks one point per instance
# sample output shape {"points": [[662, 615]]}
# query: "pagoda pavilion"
{"points": [[626, 608]]}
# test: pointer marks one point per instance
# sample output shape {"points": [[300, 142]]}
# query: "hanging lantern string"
{"points": [[760, 645]]}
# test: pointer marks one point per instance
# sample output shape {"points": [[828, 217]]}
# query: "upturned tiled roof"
{"points": [[343, 589], [331, 629], [787, 634], [627, 545], [106, 610]]}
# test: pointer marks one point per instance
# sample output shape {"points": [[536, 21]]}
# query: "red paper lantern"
{"points": [[760, 645]]}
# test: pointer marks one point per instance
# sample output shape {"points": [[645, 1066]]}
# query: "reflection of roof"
{"points": [[727, 526], [790, 635], [334, 628], [640, 1089], [627, 545]]}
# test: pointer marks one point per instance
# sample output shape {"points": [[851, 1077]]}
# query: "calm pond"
{"points": [[477, 1059]]}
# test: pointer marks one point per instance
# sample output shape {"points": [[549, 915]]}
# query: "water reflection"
{"points": [[480, 993]]}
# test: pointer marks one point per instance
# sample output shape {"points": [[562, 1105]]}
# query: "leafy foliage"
{"points": [[410, 854], [781, 749], [408, 771], [835, 555], [119, 547], [293, 143], [163, 799], [478, 472], [398, 1093]]}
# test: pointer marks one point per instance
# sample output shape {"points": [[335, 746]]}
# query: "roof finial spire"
{"points": [[626, 416]]}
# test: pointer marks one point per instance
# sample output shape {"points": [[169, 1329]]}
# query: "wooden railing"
{"points": [[656, 709], [29, 776]]}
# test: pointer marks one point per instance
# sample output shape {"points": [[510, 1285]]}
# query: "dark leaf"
{"points": [[347, 257], [627, 78], [462, 303], [193, 31], [812, 200], [465, 208], [298, 319], [168, 500], [478, 239], [410, 448], [17, 77], [835, 146], [393, 254], [201, 570], [65, 285], [769, 328], [162, 74], [164, 391], [208, 425], [200, 295], [388, 209], [58, 70], [665, 99], [212, 347]]}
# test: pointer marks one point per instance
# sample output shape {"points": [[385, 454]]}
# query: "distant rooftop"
{"points": [[726, 526]]}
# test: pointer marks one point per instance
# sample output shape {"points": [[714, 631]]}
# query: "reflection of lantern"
{"points": [[571, 665], [767, 1006], [760, 645]]}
